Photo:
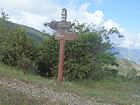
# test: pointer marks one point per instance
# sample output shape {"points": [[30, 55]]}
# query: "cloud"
{"points": [[131, 41], [108, 24], [35, 13], [30, 6], [30, 12], [32, 20], [83, 16]]}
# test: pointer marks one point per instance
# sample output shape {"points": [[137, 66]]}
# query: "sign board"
{"points": [[64, 25], [65, 36], [59, 37], [59, 25]]}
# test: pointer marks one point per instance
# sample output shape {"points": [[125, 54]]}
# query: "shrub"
{"points": [[132, 74], [27, 65]]}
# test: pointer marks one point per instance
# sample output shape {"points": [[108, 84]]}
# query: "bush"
{"points": [[89, 56], [27, 65], [86, 57], [16, 47], [132, 74]]}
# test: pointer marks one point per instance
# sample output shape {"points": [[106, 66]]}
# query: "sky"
{"points": [[122, 14]]}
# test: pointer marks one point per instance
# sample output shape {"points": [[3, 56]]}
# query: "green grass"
{"points": [[19, 74], [112, 90]]}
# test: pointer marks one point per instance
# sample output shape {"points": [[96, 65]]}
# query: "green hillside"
{"points": [[33, 33]]}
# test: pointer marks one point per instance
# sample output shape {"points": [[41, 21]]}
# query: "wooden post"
{"points": [[62, 34], [61, 60]]}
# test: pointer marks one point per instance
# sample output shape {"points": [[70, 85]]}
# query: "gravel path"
{"points": [[43, 92]]}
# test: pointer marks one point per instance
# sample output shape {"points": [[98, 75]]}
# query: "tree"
{"points": [[4, 15], [18, 49], [89, 56], [48, 56], [4, 30]]}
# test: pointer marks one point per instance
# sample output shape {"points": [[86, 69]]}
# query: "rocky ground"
{"points": [[38, 92]]}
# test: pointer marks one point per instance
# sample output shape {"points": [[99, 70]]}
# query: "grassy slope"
{"points": [[9, 97], [125, 66], [121, 92]]}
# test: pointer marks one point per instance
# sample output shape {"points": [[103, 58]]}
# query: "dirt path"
{"points": [[39, 92]]}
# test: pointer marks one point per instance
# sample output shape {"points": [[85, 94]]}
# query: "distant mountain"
{"points": [[31, 32], [129, 54]]}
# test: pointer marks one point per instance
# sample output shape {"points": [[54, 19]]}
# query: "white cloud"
{"points": [[131, 41], [30, 12], [33, 20], [31, 6], [83, 16], [110, 23], [35, 12]]}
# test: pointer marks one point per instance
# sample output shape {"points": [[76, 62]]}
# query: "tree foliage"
{"points": [[88, 57], [15, 46], [18, 46], [48, 53]]}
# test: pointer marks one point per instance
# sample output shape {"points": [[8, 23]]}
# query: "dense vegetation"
{"points": [[88, 57]]}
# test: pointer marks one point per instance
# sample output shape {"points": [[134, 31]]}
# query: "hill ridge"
{"points": [[30, 31]]}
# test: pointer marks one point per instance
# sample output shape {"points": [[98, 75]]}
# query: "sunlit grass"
{"points": [[19, 74]]}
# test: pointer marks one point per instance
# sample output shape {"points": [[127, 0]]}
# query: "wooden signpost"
{"points": [[62, 34]]}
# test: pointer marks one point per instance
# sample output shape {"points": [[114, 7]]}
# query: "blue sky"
{"points": [[122, 14]]}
